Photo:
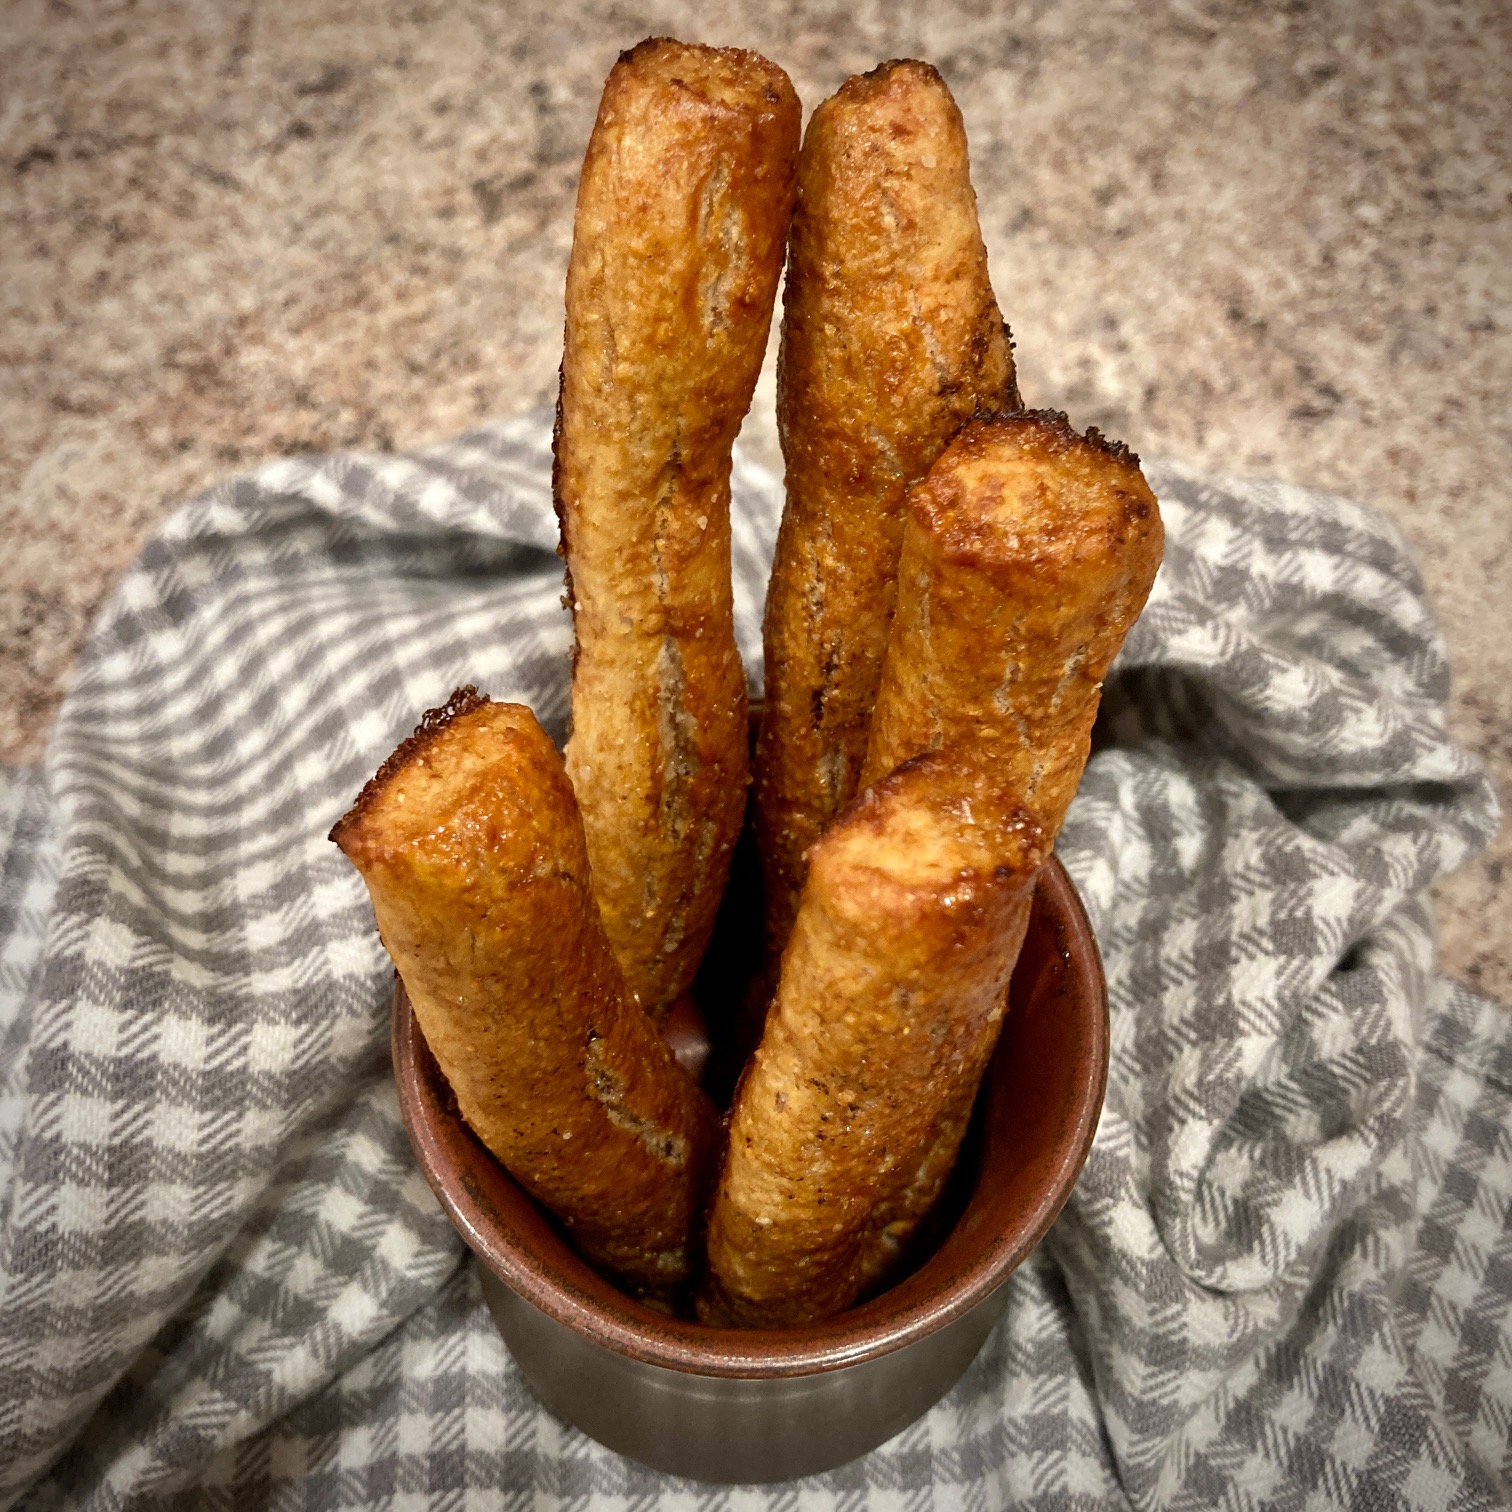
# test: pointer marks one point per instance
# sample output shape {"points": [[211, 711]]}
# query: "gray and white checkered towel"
{"points": [[1285, 1277]]}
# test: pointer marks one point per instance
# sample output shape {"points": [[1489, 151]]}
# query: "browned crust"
{"points": [[433, 723], [669, 56], [891, 340], [1048, 431], [682, 212], [473, 855], [895, 972]]}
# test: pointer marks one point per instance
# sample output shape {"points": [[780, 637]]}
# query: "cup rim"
{"points": [[503, 1227]]}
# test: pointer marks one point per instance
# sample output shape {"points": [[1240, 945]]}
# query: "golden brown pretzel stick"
{"points": [[891, 340], [682, 214], [472, 850], [910, 923], [1028, 553]]}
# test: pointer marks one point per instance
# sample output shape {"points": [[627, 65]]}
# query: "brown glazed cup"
{"points": [[734, 1405]]}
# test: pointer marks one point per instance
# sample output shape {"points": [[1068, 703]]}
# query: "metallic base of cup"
{"points": [[714, 1428]]}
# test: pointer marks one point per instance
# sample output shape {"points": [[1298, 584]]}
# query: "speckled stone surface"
{"points": [[1268, 239]]}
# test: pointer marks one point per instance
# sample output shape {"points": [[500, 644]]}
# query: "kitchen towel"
{"points": [[1284, 1279]]}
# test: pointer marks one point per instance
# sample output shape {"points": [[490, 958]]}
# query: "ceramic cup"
{"points": [[736, 1405]]}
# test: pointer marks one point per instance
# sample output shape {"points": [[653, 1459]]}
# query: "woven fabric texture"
{"points": [[1284, 1279]]}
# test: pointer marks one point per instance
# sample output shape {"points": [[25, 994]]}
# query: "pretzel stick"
{"points": [[682, 213], [891, 340], [472, 850], [912, 917], [1028, 554]]}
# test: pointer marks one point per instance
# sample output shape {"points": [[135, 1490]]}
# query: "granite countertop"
{"points": [[1272, 240]]}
